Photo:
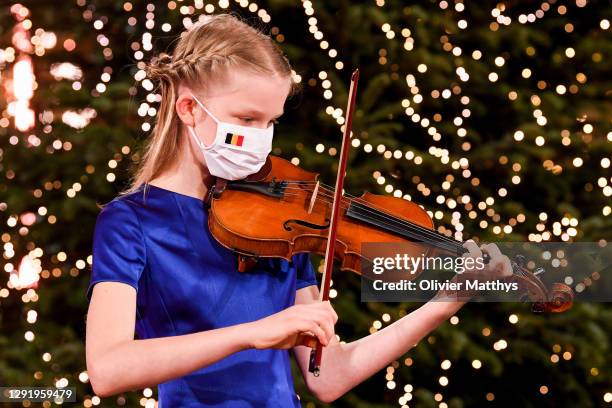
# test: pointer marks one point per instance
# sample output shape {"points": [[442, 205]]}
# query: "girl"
{"points": [[209, 335]]}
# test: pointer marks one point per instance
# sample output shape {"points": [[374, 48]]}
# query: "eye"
{"points": [[246, 119]]}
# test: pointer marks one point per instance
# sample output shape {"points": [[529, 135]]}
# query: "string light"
{"points": [[452, 205]]}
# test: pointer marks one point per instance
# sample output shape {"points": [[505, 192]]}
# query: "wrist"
{"points": [[245, 335]]}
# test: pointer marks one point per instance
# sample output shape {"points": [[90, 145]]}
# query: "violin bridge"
{"points": [[313, 199]]}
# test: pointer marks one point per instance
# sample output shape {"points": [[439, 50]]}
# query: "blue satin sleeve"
{"points": [[118, 252], [305, 273]]}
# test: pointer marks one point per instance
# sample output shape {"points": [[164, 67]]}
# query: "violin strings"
{"points": [[392, 220], [455, 245], [407, 227], [411, 231], [432, 234]]}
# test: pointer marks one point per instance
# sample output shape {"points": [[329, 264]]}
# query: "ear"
{"points": [[185, 108]]}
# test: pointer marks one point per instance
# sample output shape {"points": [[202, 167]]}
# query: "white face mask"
{"points": [[237, 151]]}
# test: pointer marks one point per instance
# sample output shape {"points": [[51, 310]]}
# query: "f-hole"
{"points": [[306, 224]]}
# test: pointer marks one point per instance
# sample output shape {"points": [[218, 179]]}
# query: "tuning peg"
{"points": [[539, 271]]}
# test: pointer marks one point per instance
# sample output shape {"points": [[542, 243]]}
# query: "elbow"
{"points": [[325, 399], [325, 394], [328, 397], [100, 379]]}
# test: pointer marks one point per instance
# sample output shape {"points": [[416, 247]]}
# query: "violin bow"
{"points": [[317, 351]]}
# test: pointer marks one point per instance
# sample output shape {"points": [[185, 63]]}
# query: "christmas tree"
{"points": [[493, 116]]}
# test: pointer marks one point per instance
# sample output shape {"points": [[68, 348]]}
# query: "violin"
{"points": [[289, 212], [283, 210]]}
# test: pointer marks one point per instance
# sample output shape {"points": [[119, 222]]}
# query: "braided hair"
{"points": [[203, 56]]}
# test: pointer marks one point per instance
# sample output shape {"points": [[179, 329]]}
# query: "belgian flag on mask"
{"points": [[234, 139]]}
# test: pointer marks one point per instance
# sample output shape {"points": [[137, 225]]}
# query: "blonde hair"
{"points": [[203, 55]]}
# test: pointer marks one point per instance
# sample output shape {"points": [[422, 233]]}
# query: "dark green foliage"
{"points": [[514, 375]]}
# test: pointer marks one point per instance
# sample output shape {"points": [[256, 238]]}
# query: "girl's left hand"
{"points": [[499, 266]]}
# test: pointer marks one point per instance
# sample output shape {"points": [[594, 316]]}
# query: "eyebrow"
{"points": [[255, 112]]}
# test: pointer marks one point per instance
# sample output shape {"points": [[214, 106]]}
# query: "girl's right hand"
{"points": [[297, 325]]}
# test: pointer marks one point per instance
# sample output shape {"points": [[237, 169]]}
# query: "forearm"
{"points": [[137, 364], [344, 366]]}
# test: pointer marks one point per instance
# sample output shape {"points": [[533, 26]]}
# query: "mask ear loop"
{"points": [[204, 107], [200, 144], [192, 131]]}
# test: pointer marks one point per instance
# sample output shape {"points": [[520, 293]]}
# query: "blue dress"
{"points": [[187, 282]]}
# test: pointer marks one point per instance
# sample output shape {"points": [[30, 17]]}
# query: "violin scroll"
{"points": [[558, 299]]}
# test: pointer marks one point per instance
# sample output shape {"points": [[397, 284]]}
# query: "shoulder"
{"points": [[131, 203], [124, 209]]}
